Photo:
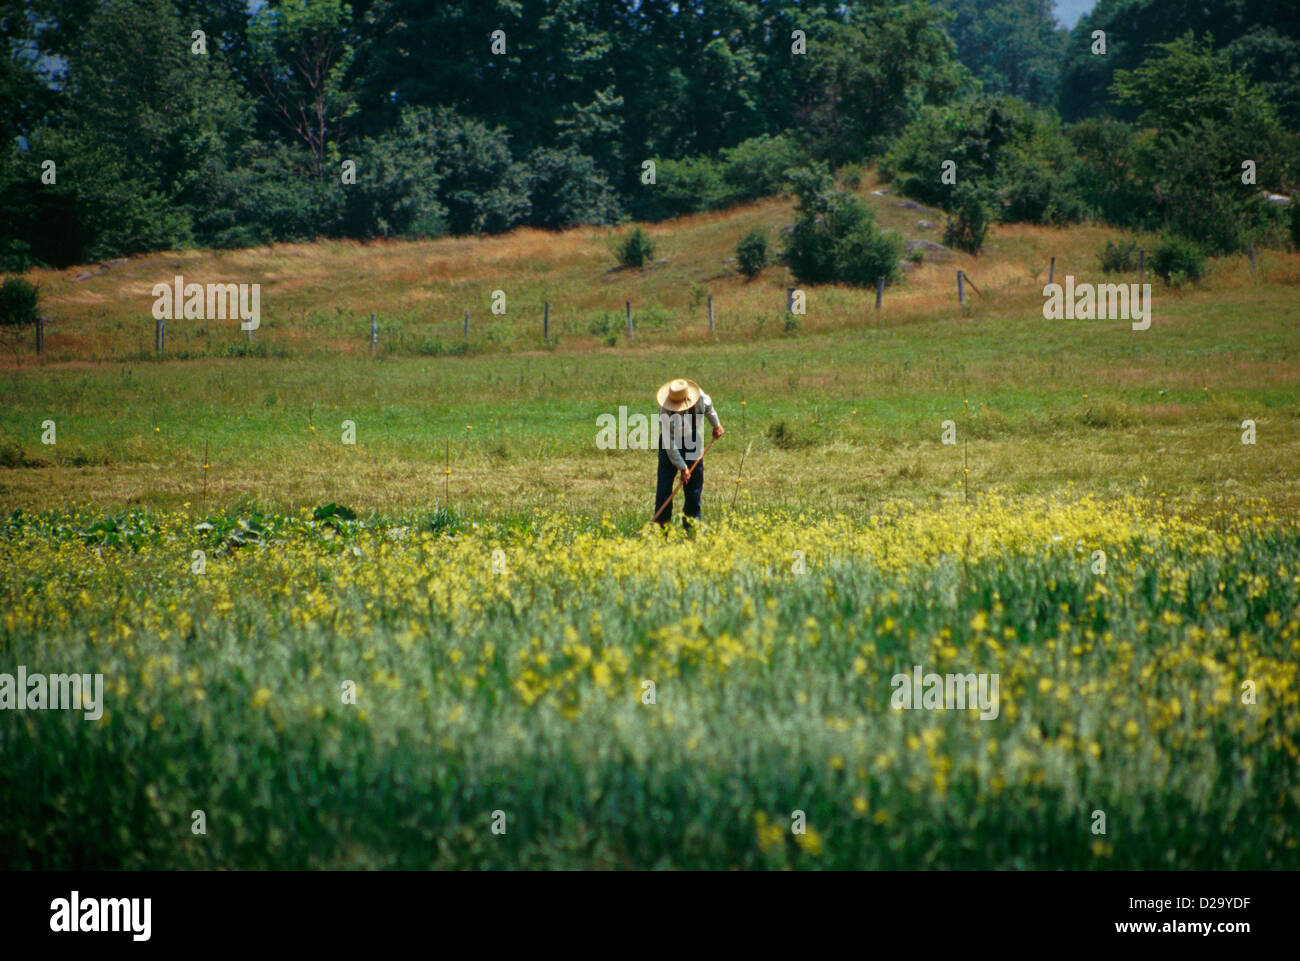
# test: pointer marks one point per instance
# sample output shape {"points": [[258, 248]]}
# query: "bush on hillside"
{"points": [[568, 189], [835, 238], [751, 253], [1204, 118], [19, 303], [969, 223], [1178, 260], [685, 186], [635, 249], [1036, 191]]}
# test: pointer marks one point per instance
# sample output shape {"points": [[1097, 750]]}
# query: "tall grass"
{"points": [[514, 682]]}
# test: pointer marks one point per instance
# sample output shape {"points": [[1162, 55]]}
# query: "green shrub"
{"points": [[19, 303], [751, 253], [1015, 152], [603, 324], [398, 196], [635, 249], [684, 186], [568, 189], [1109, 176], [1038, 191], [1118, 258], [754, 168], [864, 254], [835, 239], [757, 167], [851, 175], [969, 223], [427, 347], [1178, 260]]}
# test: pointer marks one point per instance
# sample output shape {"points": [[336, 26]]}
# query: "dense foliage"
{"points": [[834, 238], [122, 132], [1260, 37], [751, 253], [19, 303], [1204, 147]]}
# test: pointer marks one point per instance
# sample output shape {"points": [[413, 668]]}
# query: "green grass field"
{"points": [[514, 681]]}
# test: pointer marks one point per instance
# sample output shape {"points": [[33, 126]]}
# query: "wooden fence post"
{"points": [[880, 291], [374, 334], [159, 334], [710, 313], [546, 322], [789, 300], [1051, 271], [961, 291], [467, 323], [628, 306]]}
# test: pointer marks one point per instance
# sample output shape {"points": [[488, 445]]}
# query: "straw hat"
{"points": [[679, 395]]}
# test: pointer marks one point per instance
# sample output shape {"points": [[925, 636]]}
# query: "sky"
{"points": [[1069, 11]]}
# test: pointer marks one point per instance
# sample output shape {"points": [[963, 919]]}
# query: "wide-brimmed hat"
{"points": [[679, 395]]}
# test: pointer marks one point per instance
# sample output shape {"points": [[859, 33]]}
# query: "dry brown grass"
{"points": [[317, 297]]}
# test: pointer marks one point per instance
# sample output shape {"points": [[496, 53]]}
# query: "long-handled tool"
{"points": [[681, 481]]}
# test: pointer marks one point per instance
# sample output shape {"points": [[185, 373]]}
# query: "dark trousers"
{"points": [[694, 488]]}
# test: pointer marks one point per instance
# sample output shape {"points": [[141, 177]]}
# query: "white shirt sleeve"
{"points": [[706, 405]]}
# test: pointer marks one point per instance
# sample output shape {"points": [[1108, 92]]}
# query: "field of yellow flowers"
{"points": [[428, 692]]}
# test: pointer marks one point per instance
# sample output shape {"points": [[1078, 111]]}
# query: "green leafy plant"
{"points": [[835, 238], [751, 253], [635, 249], [1177, 261], [19, 303], [969, 223]]}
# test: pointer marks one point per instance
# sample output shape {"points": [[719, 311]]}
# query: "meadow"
{"points": [[490, 590], [842, 407]]}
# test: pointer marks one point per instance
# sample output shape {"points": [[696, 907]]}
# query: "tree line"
{"points": [[133, 125]]}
